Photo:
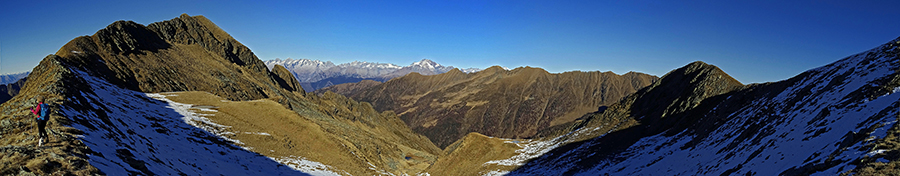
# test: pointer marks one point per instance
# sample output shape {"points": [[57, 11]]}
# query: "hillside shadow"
{"points": [[131, 133], [698, 121]]}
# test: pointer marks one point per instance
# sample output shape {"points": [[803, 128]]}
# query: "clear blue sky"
{"points": [[754, 41]]}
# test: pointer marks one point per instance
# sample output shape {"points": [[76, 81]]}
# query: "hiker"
{"points": [[42, 110]]}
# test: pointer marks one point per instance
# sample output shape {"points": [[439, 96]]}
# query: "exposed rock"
{"points": [[183, 54], [284, 77], [7, 91]]}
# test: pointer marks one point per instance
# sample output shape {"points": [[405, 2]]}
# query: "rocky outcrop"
{"points": [[125, 37], [497, 102], [12, 77], [188, 53], [315, 74], [20, 154], [835, 119]]}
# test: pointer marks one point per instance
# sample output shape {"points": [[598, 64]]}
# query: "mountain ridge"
{"points": [[111, 120], [834, 111], [12, 77]]}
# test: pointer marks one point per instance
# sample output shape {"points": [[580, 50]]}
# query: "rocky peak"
{"points": [[200, 30], [495, 68], [128, 36]]}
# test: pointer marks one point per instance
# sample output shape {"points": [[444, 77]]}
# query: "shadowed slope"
{"points": [[189, 54]]}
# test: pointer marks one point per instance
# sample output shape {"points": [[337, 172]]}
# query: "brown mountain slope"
{"points": [[835, 119], [188, 53], [685, 88], [497, 102]]}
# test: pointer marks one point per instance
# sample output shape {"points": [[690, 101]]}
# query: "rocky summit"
{"points": [[109, 117], [496, 102], [315, 74]]}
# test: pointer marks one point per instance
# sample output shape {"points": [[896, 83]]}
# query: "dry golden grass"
{"points": [[496, 102], [290, 134], [192, 54], [468, 155]]}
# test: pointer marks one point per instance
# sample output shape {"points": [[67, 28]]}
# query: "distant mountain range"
{"points": [[182, 97], [315, 74], [118, 99], [12, 77]]}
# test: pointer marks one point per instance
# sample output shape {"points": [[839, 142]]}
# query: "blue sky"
{"points": [[755, 41]]}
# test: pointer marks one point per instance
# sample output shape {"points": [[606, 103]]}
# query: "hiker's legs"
{"points": [[41, 132]]}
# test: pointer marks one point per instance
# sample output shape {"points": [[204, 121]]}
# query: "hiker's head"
{"points": [[39, 98]]}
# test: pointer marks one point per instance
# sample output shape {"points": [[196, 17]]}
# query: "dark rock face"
{"points": [[685, 88], [12, 78], [834, 119], [52, 80], [349, 88], [497, 102]]}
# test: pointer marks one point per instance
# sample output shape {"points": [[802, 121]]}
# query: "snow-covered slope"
{"points": [[822, 122], [139, 133]]}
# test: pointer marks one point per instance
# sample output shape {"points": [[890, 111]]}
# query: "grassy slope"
{"points": [[63, 154], [192, 54]]}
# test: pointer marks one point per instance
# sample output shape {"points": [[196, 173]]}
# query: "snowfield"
{"points": [[132, 132]]}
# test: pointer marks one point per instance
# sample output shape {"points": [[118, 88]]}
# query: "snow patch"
{"points": [[311, 167]]}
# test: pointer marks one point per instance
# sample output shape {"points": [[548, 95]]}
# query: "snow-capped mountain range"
{"points": [[12, 77], [316, 74]]}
